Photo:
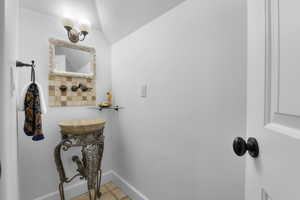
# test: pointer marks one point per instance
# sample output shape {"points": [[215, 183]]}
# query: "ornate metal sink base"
{"points": [[89, 167]]}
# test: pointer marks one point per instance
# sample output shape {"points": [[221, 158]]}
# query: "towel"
{"points": [[42, 99], [33, 113]]}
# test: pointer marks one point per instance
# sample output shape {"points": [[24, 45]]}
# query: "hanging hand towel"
{"points": [[42, 99], [33, 113]]}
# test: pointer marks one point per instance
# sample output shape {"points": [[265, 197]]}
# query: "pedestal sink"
{"points": [[87, 134]]}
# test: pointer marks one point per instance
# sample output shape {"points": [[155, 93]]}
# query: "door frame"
{"points": [[9, 182]]}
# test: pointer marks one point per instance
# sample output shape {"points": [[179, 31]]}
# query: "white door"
{"points": [[8, 134], [273, 106]]}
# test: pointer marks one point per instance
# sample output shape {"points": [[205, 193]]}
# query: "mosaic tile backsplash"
{"points": [[68, 97]]}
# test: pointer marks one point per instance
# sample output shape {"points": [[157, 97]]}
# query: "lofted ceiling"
{"points": [[121, 17], [116, 18]]}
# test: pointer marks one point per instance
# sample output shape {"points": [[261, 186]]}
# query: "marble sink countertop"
{"points": [[81, 126]]}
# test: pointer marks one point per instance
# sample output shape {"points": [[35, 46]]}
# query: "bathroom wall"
{"points": [[37, 170], [177, 142]]}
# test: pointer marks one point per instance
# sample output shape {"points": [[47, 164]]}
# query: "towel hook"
{"points": [[32, 65], [32, 71], [21, 64]]}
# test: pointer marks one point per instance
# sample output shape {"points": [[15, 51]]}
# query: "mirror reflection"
{"points": [[72, 60]]}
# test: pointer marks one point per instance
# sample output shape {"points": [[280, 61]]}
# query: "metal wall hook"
{"points": [[81, 86], [21, 64], [32, 65], [63, 88]]}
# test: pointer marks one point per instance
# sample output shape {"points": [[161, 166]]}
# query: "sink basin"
{"points": [[82, 126]]}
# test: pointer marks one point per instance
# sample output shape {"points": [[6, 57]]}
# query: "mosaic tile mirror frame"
{"points": [[68, 87]]}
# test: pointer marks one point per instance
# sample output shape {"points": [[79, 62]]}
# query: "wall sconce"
{"points": [[73, 34]]}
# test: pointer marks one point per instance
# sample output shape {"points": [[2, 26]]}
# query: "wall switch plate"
{"points": [[12, 81], [144, 91]]}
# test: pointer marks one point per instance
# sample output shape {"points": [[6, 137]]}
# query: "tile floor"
{"points": [[109, 192]]}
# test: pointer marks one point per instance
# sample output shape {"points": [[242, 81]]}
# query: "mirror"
{"points": [[72, 60], [68, 59]]}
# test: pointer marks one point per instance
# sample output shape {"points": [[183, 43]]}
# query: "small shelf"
{"points": [[116, 108]]}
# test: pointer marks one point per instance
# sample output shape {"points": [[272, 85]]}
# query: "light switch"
{"points": [[144, 91]]}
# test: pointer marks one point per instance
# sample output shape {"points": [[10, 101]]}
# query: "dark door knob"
{"points": [[240, 147]]}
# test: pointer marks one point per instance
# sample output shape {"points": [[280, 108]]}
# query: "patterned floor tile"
{"points": [[108, 196], [118, 193], [109, 191], [110, 186]]}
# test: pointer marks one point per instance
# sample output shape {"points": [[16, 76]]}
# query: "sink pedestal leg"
{"points": [[61, 191], [89, 167], [92, 155]]}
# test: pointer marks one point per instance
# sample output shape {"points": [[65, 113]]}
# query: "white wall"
{"points": [[37, 170], [176, 144], [8, 134]]}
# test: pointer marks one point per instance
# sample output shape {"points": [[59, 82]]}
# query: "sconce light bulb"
{"points": [[67, 22], [85, 27]]}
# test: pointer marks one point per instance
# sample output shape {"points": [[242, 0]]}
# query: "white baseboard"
{"points": [[80, 188], [76, 189], [130, 190]]}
